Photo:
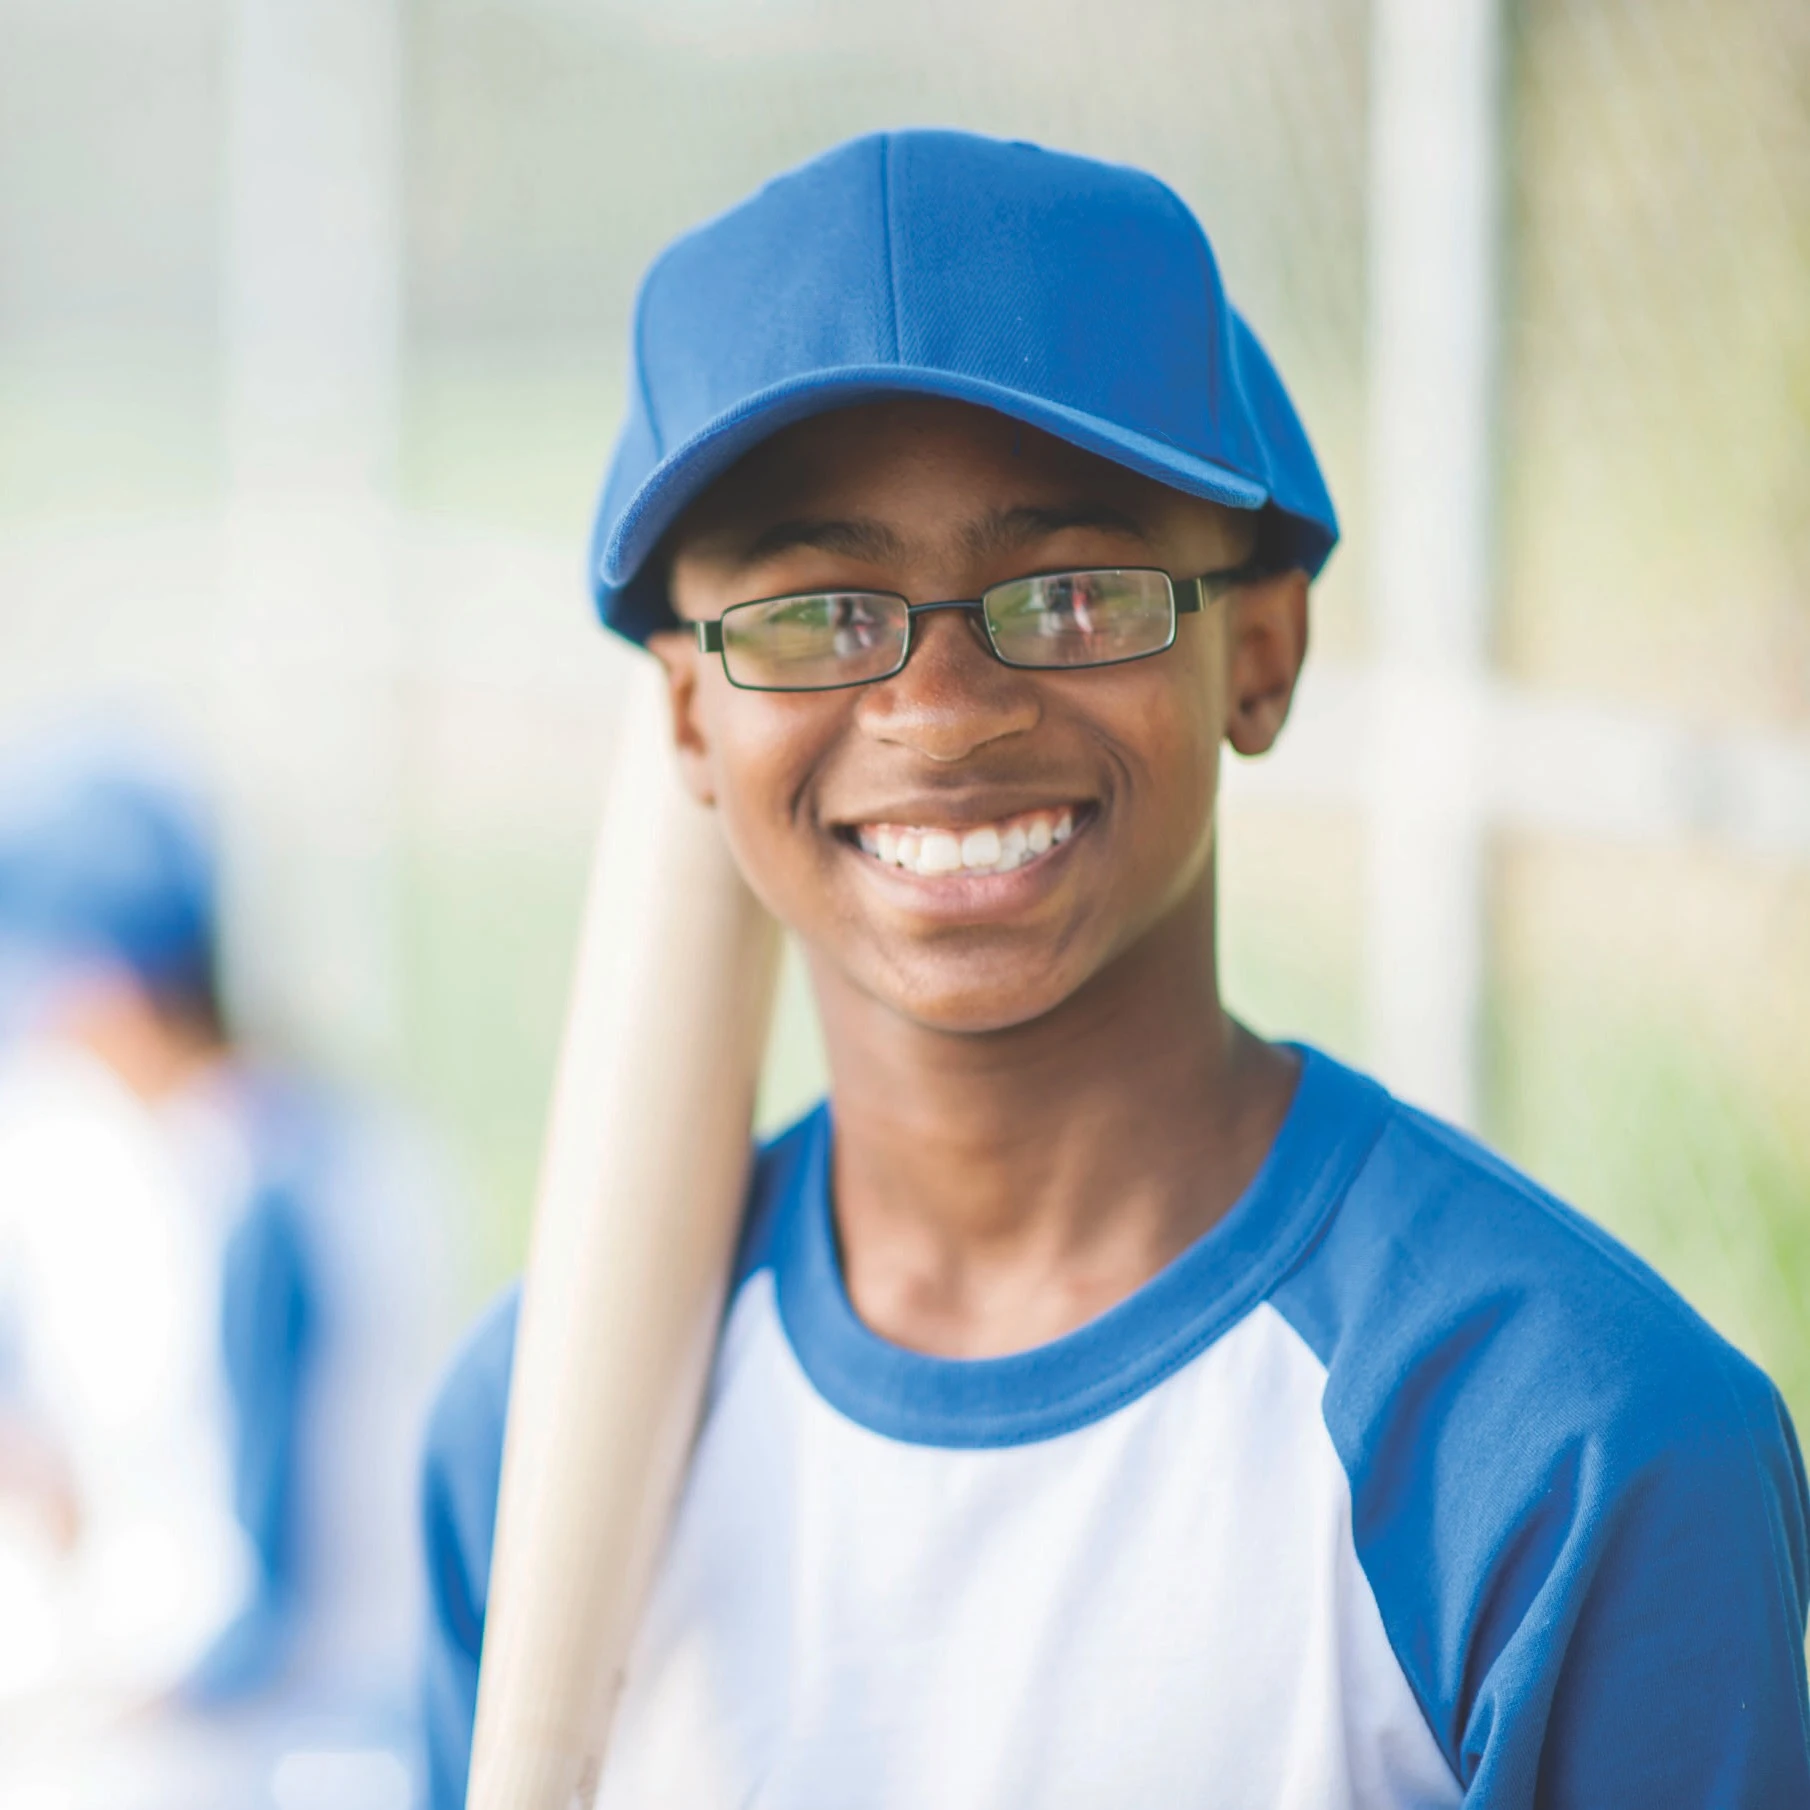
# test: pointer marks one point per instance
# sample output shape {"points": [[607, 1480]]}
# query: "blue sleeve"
{"points": [[1583, 1516], [266, 1311], [1676, 1671], [461, 1476]]}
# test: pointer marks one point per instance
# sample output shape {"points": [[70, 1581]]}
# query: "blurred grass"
{"points": [[1627, 1115], [1649, 1062], [486, 938]]}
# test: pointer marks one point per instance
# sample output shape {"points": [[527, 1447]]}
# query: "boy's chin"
{"points": [[959, 1001]]}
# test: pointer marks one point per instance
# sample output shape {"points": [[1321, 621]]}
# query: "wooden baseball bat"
{"points": [[639, 1204]]}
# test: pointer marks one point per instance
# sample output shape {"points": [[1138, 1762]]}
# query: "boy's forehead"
{"points": [[876, 460]]}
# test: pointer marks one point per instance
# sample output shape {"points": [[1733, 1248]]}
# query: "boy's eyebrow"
{"points": [[1005, 529], [862, 537], [855, 537]]}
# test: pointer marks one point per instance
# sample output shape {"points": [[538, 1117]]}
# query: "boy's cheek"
{"points": [[752, 755], [763, 806], [766, 758]]}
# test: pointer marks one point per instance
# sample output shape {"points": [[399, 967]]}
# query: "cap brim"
{"points": [[620, 549]]}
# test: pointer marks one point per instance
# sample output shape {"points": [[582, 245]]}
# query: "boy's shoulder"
{"points": [[1549, 1452], [1443, 1261]]}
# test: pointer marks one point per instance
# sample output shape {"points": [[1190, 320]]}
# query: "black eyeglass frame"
{"points": [[1187, 597]]}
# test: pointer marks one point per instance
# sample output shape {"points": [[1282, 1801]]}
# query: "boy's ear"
{"points": [[675, 649], [1266, 641]]}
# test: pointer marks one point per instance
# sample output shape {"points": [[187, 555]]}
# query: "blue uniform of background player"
{"points": [[221, 1297], [1110, 1408]]}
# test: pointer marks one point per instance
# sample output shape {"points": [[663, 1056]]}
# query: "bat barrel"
{"points": [[639, 1205]]}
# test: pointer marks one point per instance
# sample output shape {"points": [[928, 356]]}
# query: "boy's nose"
{"points": [[953, 696]]}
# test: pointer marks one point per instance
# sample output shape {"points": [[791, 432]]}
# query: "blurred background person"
{"points": [[220, 1295]]}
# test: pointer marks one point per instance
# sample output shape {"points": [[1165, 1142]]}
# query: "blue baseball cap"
{"points": [[105, 861], [1081, 298]]}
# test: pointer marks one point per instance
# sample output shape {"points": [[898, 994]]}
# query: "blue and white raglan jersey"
{"points": [[1403, 1486]]}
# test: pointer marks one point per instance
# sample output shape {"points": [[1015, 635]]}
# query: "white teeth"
{"points": [[990, 849], [939, 853], [980, 848]]}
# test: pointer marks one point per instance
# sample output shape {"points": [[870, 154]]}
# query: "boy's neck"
{"points": [[994, 1192]]}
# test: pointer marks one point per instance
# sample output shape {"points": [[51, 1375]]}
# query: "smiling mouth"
{"points": [[977, 849]]}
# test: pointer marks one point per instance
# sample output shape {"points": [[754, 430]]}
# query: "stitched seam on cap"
{"points": [[892, 269], [647, 401]]}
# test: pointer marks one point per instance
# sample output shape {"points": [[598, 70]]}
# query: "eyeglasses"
{"points": [[823, 640]]}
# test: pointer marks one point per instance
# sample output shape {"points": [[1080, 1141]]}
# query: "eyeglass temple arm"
{"points": [[1193, 594], [710, 636]]}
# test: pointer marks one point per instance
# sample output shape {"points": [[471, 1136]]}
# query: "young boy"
{"points": [[1112, 1408]]}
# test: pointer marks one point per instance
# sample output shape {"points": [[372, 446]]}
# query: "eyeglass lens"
{"points": [[1065, 619], [812, 643], [1080, 618]]}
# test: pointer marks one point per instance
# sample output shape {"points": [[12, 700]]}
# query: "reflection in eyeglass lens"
{"points": [[858, 624], [1068, 604], [1090, 618]]}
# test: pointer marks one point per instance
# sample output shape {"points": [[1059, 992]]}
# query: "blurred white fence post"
{"points": [[310, 318], [1435, 150]]}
